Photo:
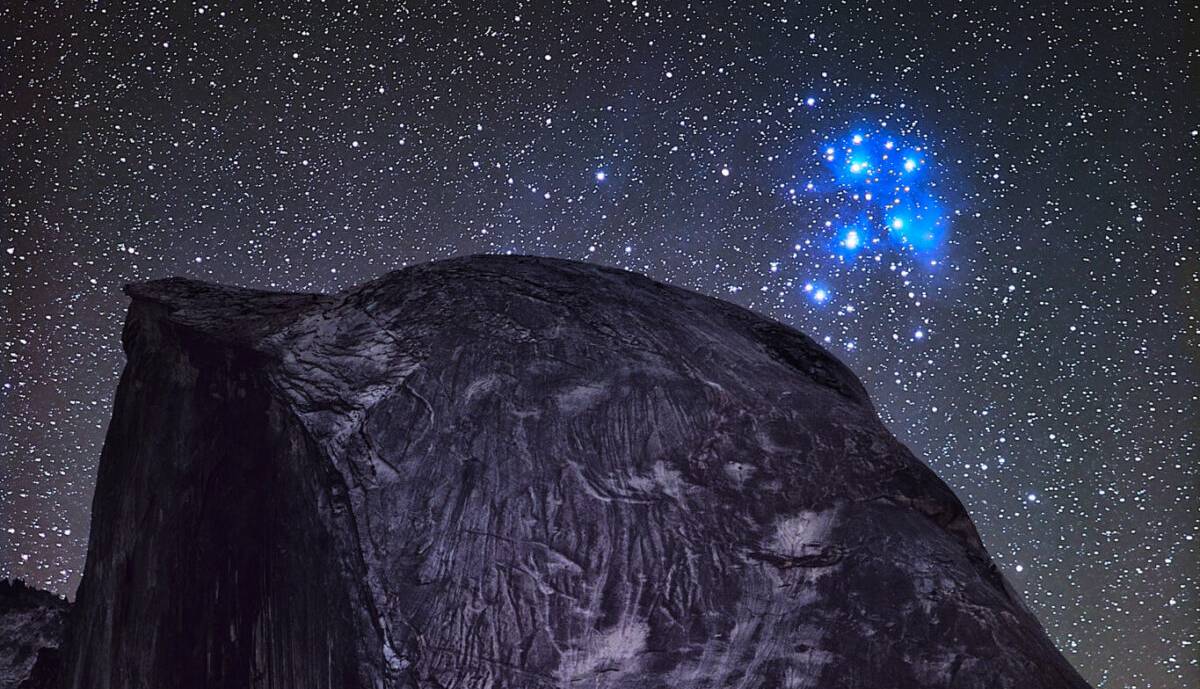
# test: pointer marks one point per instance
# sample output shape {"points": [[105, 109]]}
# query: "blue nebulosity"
{"points": [[917, 224], [882, 210], [888, 186]]}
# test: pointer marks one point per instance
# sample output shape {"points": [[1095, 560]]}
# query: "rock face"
{"points": [[31, 630], [519, 473]]}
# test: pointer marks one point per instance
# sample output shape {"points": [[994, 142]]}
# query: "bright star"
{"points": [[909, 165], [600, 176], [851, 240]]}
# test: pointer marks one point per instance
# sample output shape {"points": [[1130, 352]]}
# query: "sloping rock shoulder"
{"points": [[506, 472], [31, 629]]}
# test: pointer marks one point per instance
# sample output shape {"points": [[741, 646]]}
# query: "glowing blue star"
{"points": [[601, 176], [851, 240]]}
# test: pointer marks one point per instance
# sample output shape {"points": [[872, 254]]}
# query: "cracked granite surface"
{"points": [[511, 472]]}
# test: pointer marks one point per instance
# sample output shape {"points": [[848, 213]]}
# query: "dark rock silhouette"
{"points": [[519, 473], [31, 629]]}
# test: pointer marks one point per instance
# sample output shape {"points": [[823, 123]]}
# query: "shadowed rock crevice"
{"points": [[524, 473]]}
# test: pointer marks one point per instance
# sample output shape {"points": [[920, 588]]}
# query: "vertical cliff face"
{"points": [[31, 629], [210, 561], [515, 472]]}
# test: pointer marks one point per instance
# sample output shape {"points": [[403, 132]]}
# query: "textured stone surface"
{"points": [[513, 472], [31, 629]]}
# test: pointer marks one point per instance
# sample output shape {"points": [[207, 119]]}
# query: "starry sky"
{"points": [[989, 213]]}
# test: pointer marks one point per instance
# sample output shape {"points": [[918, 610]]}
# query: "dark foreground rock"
{"points": [[519, 473], [31, 630]]}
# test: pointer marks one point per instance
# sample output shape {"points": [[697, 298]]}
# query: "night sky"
{"points": [[989, 214]]}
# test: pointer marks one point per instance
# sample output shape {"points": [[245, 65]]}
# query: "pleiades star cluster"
{"points": [[988, 212]]}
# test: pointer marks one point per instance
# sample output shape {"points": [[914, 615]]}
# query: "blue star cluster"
{"points": [[891, 195], [883, 204]]}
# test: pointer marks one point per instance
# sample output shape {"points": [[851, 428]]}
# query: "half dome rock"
{"points": [[497, 472]]}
